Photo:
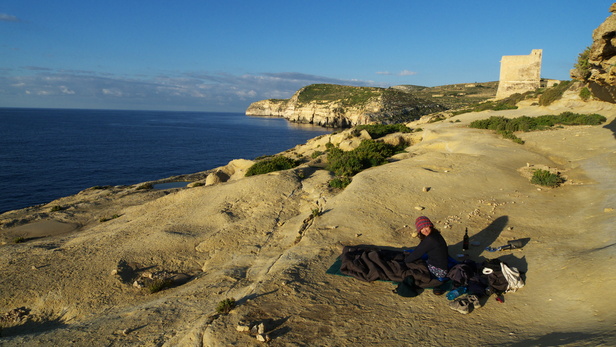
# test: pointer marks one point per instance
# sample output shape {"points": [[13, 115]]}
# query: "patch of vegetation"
{"points": [[275, 163], [102, 220], [198, 184], [340, 182], [146, 186], [159, 284], [554, 93], [525, 123], [510, 136], [346, 164], [508, 103], [225, 306], [20, 239], [368, 154], [316, 154], [455, 96], [585, 94], [379, 130], [507, 126], [347, 95], [546, 178], [582, 65], [57, 208]]}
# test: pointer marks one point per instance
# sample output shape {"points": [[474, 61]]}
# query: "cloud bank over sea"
{"points": [[34, 86]]}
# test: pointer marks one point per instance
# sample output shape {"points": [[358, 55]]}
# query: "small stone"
{"points": [[357, 235], [34, 267], [114, 272], [242, 328], [419, 208], [261, 329], [263, 338], [510, 228], [426, 189], [126, 331]]}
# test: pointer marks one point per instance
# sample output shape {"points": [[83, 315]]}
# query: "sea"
{"points": [[46, 154]]}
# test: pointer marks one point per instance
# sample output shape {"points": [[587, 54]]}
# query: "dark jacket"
{"points": [[435, 247]]}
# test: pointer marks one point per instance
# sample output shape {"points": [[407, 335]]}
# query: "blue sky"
{"points": [[222, 55]]}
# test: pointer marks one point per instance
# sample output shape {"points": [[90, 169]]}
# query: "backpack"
{"points": [[497, 282]]}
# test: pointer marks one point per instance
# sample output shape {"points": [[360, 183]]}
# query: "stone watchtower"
{"points": [[519, 74]]}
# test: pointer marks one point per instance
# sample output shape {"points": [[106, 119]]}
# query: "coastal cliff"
{"points": [[597, 64], [345, 106]]}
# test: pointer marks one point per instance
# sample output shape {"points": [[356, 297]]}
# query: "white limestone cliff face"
{"points": [[338, 114]]}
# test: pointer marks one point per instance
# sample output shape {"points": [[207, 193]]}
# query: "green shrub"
{"points": [[585, 94], [511, 136], [271, 164], [225, 306], [57, 208], [525, 123], [369, 153], [582, 65], [316, 154], [546, 178], [159, 284], [380, 130], [507, 126], [340, 182], [20, 239], [554, 93]]}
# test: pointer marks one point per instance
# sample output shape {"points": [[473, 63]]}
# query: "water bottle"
{"points": [[454, 293]]}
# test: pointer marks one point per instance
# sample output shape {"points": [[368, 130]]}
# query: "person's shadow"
{"points": [[611, 126]]}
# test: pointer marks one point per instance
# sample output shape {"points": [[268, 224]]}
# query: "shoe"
{"points": [[460, 305], [474, 300]]}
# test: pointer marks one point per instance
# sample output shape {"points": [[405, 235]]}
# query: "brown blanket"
{"points": [[371, 264]]}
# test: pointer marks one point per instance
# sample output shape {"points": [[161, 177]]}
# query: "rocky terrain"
{"points": [[598, 63], [81, 270]]}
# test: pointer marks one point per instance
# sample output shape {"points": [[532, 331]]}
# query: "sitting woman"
{"points": [[433, 245]]}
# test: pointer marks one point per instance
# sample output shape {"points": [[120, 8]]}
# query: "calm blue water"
{"points": [[49, 153]]}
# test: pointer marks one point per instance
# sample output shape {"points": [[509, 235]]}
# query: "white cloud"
{"points": [[113, 92], [8, 18], [401, 73], [407, 73], [65, 90]]}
